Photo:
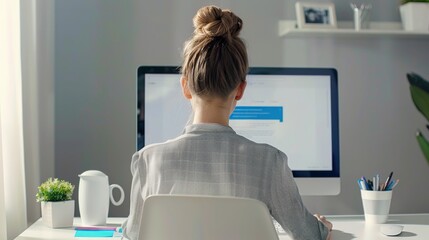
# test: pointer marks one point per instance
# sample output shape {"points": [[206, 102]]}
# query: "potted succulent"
{"points": [[415, 15], [56, 201], [419, 89]]}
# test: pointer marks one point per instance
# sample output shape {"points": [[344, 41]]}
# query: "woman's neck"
{"points": [[212, 111]]}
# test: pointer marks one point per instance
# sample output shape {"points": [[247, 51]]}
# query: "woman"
{"points": [[209, 157]]}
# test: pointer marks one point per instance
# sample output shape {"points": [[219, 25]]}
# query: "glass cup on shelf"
{"points": [[361, 15]]}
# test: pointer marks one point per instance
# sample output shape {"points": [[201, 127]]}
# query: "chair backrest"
{"points": [[182, 217]]}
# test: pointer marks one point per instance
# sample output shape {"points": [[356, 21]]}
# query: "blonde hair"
{"points": [[215, 58]]}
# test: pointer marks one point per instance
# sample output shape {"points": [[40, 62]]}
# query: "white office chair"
{"points": [[180, 217]]}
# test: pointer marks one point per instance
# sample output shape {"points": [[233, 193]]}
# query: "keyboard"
{"points": [[278, 227]]}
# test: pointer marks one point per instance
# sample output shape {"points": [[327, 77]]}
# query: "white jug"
{"points": [[94, 199]]}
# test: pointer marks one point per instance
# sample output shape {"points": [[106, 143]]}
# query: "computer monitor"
{"points": [[292, 109]]}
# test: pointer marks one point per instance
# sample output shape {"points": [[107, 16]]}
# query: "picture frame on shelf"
{"points": [[315, 15]]}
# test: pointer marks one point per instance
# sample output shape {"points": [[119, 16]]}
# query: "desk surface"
{"points": [[416, 226]]}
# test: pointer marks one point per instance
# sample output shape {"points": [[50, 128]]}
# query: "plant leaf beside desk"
{"points": [[419, 88]]}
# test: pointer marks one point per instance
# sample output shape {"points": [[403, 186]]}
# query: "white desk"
{"points": [[416, 226], [38, 231]]}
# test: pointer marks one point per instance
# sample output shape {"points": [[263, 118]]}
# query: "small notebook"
{"points": [[97, 233]]}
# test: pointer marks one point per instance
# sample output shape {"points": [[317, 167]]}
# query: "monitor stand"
{"points": [[318, 186]]}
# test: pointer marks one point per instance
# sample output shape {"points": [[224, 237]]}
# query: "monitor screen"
{"points": [[292, 109]]}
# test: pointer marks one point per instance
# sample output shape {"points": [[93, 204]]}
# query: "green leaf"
{"points": [[55, 190], [424, 145], [408, 1], [418, 81], [419, 89]]}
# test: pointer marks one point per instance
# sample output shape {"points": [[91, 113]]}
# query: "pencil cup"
{"points": [[376, 205]]}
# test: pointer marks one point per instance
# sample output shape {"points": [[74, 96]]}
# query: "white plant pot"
{"points": [[415, 16], [58, 214]]}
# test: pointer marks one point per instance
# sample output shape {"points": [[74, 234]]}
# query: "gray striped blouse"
{"points": [[211, 159]]}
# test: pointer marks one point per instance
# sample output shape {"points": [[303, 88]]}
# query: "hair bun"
{"points": [[211, 21]]}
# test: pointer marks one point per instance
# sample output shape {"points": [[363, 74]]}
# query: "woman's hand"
{"points": [[325, 222]]}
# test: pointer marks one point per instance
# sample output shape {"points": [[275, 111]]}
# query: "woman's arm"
{"points": [[287, 207], [131, 228], [325, 222]]}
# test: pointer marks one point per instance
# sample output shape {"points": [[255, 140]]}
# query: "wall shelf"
{"points": [[394, 29]]}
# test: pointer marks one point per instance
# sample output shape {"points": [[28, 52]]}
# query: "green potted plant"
{"points": [[415, 15], [408, 1], [56, 201], [419, 89]]}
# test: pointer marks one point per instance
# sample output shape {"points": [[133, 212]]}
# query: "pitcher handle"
{"points": [[121, 199]]}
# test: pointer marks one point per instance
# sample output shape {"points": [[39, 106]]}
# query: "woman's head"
{"points": [[215, 58]]}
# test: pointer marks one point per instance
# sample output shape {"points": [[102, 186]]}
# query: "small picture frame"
{"points": [[315, 15]]}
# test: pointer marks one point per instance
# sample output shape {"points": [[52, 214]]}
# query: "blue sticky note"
{"points": [[94, 233]]}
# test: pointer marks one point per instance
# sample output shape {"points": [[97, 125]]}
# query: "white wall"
{"points": [[95, 90], [99, 45], [37, 50]]}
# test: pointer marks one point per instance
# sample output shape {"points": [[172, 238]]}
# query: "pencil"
{"points": [[396, 183], [388, 181]]}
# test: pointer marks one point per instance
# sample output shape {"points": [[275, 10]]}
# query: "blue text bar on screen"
{"points": [[257, 113]]}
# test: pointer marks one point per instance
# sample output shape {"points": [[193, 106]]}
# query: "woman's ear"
{"points": [[240, 90], [185, 89]]}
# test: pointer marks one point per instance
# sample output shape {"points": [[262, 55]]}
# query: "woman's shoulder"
{"points": [[254, 144], [233, 139], [262, 147], [142, 156], [161, 146]]}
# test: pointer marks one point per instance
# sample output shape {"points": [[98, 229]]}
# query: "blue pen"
{"points": [[371, 185], [396, 183], [361, 184], [389, 187], [365, 182]]}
